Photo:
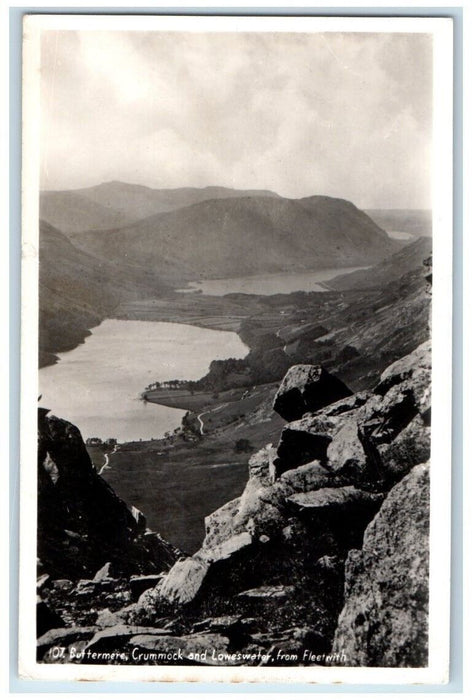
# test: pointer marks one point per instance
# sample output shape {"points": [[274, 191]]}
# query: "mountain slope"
{"points": [[248, 235], [114, 204], [77, 290], [407, 259]]}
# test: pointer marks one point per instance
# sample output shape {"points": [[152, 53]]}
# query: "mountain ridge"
{"points": [[115, 203], [247, 235]]}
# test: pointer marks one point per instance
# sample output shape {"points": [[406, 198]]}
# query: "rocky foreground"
{"points": [[323, 559]]}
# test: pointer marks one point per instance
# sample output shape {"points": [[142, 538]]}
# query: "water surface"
{"points": [[97, 385], [401, 235], [274, 283]]}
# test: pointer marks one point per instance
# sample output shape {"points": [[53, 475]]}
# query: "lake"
{"points": [[401, 235], [97, 385], [274, 283]]}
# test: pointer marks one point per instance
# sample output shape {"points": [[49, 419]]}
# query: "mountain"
{"points": [[247, 236], [407, 259], [139, 202], [77, 291], [72, 211], [416, 222], [114, 204]]}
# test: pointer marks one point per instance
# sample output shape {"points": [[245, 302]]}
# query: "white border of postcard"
{"points": [[442, 189]]}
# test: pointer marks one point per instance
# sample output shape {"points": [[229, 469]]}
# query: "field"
{"points": [[178, 481]]}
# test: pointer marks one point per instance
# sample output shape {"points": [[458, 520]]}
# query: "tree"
{"points": [[243, 445]]}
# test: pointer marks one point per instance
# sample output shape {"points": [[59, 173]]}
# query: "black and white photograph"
{"points": [[237, 240]]}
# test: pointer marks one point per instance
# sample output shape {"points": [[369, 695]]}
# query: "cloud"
{"points": [[346, 115]]}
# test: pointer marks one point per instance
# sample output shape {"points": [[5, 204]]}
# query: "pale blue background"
{"points": [[21, 686]]}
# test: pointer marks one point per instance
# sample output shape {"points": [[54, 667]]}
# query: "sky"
{"points": [[340, 114]]}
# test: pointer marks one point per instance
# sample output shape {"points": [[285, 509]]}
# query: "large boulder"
{"points": [[342, 511], [338, 501], [184, 580], [139, 584], [303, 441], [415, 367], [113, 638], [346, 451], [308, 477], [390, 431], [411, 446], [307, 388], [384, 621]]}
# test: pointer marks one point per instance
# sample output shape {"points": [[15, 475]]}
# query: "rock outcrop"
{"points": [[82, 524], [307, 388], [372, 438], [384, 621], [276, 553]]}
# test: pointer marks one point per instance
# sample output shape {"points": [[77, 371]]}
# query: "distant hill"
{"points": [[416, 222], [246, 235], [114, 204], [77, 291], [409, 258], [72, 211]]}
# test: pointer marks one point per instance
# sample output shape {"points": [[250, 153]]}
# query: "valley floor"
{"points": [[179, 480]]}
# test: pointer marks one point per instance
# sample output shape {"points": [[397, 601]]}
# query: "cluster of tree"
{"points": [[168, 384], [190, 427], [109, 442], [224, 374], [153, 386], [254, 334]]}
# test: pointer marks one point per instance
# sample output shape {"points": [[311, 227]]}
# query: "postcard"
{"points": [[236, 349]]}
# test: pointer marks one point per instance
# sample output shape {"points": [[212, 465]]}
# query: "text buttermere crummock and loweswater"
{"points": [[137, 655]]}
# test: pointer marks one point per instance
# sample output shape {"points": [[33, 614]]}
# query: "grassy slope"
{"points": [[409, 258], [176, 483]]}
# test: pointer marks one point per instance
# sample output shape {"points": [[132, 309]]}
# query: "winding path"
{"points": [[202, 432], [106, 464], [211, 410]]}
